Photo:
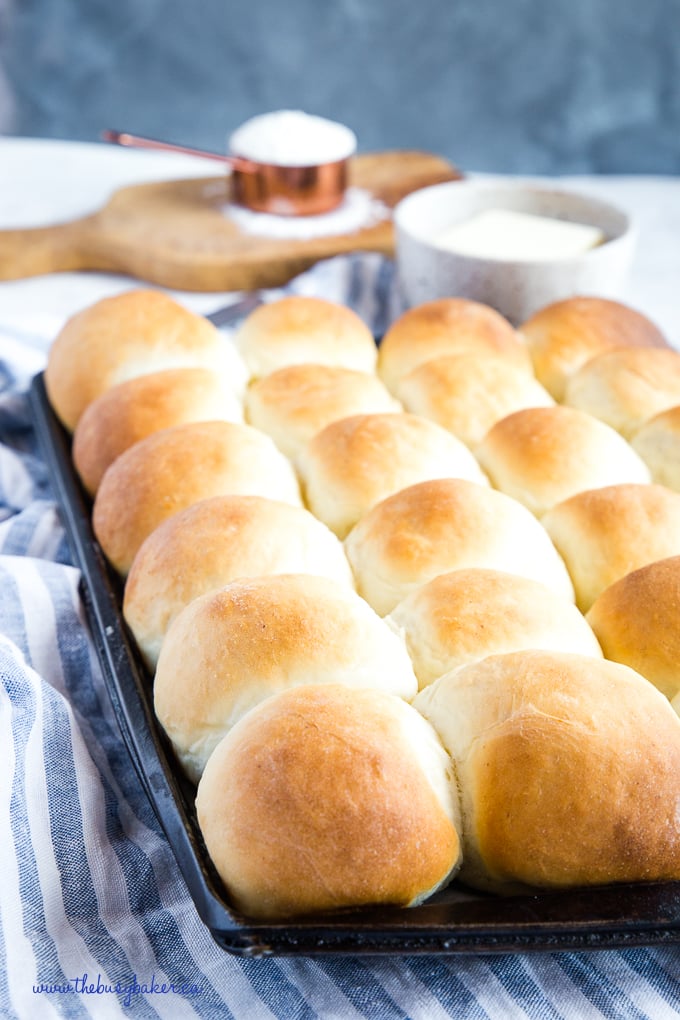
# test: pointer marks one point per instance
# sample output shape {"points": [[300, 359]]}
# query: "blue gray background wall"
{"points": [[516, 86]]}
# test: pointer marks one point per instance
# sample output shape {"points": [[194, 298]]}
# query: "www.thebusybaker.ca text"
{"points": [[86, 986]]}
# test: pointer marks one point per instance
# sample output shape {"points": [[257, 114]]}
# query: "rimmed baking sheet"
{"points": [[454, 921]]}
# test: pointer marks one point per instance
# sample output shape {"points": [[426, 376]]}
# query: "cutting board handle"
{"points": [[33, 251]]}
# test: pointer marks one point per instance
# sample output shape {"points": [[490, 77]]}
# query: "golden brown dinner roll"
{"points": [[294, 403], [171, 469], [324, 797], [299, 329], [564, 335], [446, 326], [467, 614], [543, 455], [228, 650], [127, 335], [569, 769], [135, 409], [637, 621], [625, 388], [446, 524], [603, 534], [355, 462], [213, 542], [658, 443], [468, 393]]}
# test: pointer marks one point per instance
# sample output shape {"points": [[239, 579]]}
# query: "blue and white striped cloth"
{"points": [[95, 920]]}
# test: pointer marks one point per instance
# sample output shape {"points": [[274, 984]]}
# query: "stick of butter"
{"points": [[506, 234]]}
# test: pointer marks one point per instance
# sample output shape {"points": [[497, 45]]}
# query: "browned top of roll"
{"points": [[132, 410], [564, 335], [625, 388], [298, 329], [468, 393], [446, 326], [543, 455], [637, 620], [130, 334], [354, 462], [213, 542], [437, 526], [603, 534], [294, 403], [324, 797], [467, 614], [569, 769], [172, 469], [658, 443], [229, 649]]}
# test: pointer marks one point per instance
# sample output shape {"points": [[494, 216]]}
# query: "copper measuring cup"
{"points": [[264, 187]]}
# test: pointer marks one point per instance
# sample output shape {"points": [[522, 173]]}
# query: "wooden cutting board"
{"points": [[176, 234]]}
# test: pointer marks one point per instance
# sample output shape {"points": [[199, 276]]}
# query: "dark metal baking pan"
{"points": [[453, 921]]}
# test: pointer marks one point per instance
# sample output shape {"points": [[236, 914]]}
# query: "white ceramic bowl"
{"points": [[518, 288]]}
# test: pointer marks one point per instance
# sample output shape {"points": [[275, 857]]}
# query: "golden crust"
{"points": [[564, 335], [294, 403], [437, 526], [130, 334], [637, 622], [543, 455], [468, 393], [625, 388], [603, 534], [467, 614], [446, 326], [355, 462], [299, 329], [658, 443], [213, 542], [570, 770], [170, 470], [230, 649], [324, 797], [135, 409]]}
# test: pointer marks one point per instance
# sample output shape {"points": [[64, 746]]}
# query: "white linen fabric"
{"points": [[95, 919]]}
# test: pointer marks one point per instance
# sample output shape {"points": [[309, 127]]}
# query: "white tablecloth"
{"points": [[95, 919]]}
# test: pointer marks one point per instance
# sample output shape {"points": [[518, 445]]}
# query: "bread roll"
{"points": [[626, 388], [172, 469], [465, 615], [434, 527], [135, 409], [446, 326], [603, 534], [637, 620], [566, 334], [324, 797], [468, 393], [353, 463], [298, 329], [292, 404], [543, 455], [230, 649], [658, 443], [130, 334], [213, 542], [569, 769]]}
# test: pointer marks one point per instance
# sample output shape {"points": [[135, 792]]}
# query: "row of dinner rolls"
{"points": [[312, 531], [537, 454]]}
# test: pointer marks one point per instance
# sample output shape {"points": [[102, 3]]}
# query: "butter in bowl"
{"points": [[510, 244]]}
